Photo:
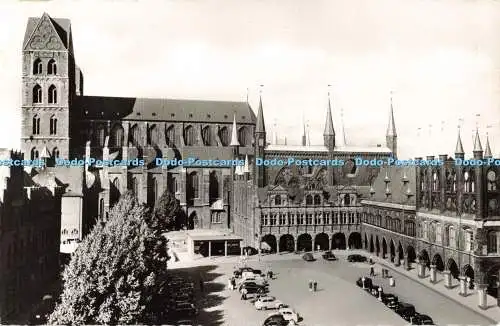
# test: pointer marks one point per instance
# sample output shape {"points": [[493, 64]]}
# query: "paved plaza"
{"points": [[338, 300]]}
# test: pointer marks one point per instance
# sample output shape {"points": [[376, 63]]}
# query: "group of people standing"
{"points": [[313, 286]]}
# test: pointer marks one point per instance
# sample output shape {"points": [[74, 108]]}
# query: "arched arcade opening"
{"points": [[338, 241], [321, 241], [287, 243], [304, 242], [355, 241]]}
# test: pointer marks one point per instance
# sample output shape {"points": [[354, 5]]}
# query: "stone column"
{"points": [[329, 243], [433, 274], [313, 245], [209, 248], [447, 279], [421, 269], [278, 246], [407, 263], [482, 296], [463, 286], [396, 259], [225, 248], [296, 244]]}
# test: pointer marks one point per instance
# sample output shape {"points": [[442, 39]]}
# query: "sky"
{"points": [[439, 58]]}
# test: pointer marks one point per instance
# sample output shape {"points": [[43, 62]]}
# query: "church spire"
{"points": [[459, 149], [391, 127], [391, 137], [487, 151], [477, 143], [329, 130], [304, 134], [260, 127]]}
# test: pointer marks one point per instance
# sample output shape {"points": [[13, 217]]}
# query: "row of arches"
{"points": [[38, 67], [35, 153], [306, 242], [38, 94], [36, 125], [153, 136]]}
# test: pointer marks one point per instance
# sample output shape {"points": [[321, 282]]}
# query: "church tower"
{"points": [[48, 87], [391, 137], [260, 144]]}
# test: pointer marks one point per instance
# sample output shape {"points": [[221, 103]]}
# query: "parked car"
{"points": [[289, 314], [258, 272], [374, 290], [356, 258], [405, 310], [237, 273], [368, 283], [184, 309], [267, 302], [329, 256], [246, 285], [255, 279], [276, 319], [388, 298], [308, 257], [420, 319], [253, 293]]}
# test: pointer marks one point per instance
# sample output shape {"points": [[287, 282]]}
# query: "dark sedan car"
{"points": [[308, 257], [275, 320], [368, 283], [420, 319], [356, 258], [406, 311], [388, 298], [329, 256]]}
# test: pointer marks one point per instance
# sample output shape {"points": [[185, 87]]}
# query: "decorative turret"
{"points": [[234, 134], [329, 133], [487, 151], [391, 137], [260, 144], [459, 149], [478, 148]]}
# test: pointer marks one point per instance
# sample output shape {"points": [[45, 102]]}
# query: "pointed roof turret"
{"points": [[234, 134], [487, 151], [45, 153], [261, 126], [391, 126], [477, 143], [459, 149], [329, 130], [246, 167]]}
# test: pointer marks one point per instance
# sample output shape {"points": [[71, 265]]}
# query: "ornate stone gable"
{"points": [[45, 36]]}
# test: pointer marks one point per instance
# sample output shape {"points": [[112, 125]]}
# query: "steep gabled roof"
{"points": [[160, 109], [40, 31]]}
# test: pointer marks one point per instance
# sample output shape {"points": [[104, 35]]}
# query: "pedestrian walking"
{"points": [[315, 286], [392, 282], [372, 271], [310, 285], [271, 275], [233, 283], [244, 294]]}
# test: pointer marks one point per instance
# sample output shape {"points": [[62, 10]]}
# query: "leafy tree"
{"points": [[167, 214], [117, 273]]}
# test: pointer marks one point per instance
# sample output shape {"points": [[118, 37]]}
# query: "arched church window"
{"points": [[37, 94], [36, 125], [189, 136], [37, 67], [224, 136], [309, 200], [170, 136], [242, 136], [117, 136], [277, 200], [52, 67], [34, 154], [53, 125], [207, 136], [52, 95]]}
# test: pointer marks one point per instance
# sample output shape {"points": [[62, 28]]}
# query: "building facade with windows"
{"points": [[445, 219]]}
